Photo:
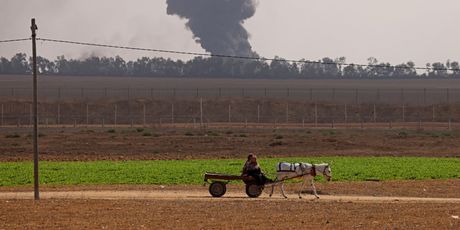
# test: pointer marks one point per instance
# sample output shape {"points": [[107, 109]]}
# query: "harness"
{"points": [[293, 168], [313, 170]]}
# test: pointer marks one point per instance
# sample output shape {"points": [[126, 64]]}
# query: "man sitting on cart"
{"points": [[251, 168]]}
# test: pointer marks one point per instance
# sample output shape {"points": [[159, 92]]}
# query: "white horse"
{"points": [[306, 171]]}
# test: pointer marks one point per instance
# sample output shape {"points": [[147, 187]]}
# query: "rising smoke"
{"points": [[217, 24]]}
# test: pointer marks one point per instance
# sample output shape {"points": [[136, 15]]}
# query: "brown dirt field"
{"points": [[238, 214], [68, 144], [190, 207]]}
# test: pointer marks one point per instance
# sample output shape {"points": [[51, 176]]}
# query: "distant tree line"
{"points": [[214, 67]]}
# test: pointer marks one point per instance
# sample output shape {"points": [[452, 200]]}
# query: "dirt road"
{"points": [[204, 196]]}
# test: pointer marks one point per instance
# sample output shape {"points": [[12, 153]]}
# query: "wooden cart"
{"points": [[218, 184]]}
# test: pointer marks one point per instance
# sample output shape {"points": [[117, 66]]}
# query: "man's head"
{"points": [[252, 158]]}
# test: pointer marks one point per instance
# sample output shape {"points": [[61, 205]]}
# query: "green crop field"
{"points": [[191, 171]]}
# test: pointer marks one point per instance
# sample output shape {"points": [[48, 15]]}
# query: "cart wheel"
{"points": [[254, 190], [217, 189]]}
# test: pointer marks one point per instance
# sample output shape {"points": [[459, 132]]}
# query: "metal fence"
{"points": [[426, 96], [224, 110]]}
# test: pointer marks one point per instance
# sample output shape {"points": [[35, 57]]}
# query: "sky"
{"points": [[393, 31]]}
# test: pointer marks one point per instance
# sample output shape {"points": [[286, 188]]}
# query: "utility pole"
{"points": [[34, 28]]}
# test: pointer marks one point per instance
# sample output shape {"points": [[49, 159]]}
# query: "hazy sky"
{"points": [[392, 30]]}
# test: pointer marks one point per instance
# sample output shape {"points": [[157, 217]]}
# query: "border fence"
{"points": [[230, 110]]}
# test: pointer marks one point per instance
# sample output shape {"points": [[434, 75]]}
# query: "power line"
{"points": [[15, 40], [240, 57]]}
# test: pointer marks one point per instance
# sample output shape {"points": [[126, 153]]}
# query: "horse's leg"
{"points": [[282, 190], [314, 188], [271, 192], [282, 186], [273, 187], [301, 187]]}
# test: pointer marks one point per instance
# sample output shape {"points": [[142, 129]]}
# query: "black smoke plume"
{"points": [[217, 24]]}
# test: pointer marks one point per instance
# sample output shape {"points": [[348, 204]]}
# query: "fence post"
{"points": [[172, 113], [404, 113], [316, 115], [2, 121], [30, 114], [433, 114], [115, 116], [303, 122], [287, 113], [87, 115], [229, 113], [258, 113], [58, 113], [346, 114], [143, 115], [375, 114], [201, 111]]}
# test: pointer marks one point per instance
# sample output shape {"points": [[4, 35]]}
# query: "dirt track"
{"points": [[203, 195]]}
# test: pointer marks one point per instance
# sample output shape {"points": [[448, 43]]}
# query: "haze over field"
{"points": [[393, 31]]}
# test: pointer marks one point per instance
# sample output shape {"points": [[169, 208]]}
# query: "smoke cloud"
{"points": [[217, 24]]}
